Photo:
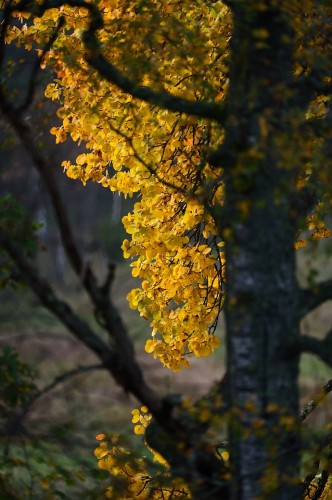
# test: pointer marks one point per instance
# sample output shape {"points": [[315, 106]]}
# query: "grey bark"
{"points": [[258, 226]]}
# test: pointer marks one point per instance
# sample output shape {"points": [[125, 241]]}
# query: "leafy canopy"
{"points": [[178, 48], [173, 238]]}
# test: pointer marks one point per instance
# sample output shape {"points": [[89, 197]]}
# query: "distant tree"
{"points": [[218, 115]]}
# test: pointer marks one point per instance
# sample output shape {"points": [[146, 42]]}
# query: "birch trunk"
{"points": [[259, 227]]}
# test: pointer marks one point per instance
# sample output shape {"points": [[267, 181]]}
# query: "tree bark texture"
{"points": [[258, 224]]}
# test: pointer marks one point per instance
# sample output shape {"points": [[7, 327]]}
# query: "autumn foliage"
{"points": [[157, 92]]}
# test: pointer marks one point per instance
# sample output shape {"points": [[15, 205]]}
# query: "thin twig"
{"points": [[63, 377], [317, 399], [36, 68]]}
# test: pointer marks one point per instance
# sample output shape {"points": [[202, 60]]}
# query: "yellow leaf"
{"points": [[100, 452], [106, 463], [139, 429], [135, 272], [300, 244], [44, 484], [321, 233], [150, 345]]}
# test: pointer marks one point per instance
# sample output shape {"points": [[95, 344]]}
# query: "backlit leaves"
{"points": [[136, 477], [173, 239], [136, 149]]}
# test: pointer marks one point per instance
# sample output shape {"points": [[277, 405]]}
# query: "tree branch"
{"points": [[312, 297], [165, 100], [321, 348], [32, 84], [123, 368], [96, 59], [15, 423], [48, 298], [105, 311], [44, 168], [316, 400], [63, 377]]}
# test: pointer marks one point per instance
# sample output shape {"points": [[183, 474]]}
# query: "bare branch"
{"points": [[32, 84], [312, 297], [321, 348], [118, 359], [316, 400], [48, 298], [121, 363], [63, 378], [16, 422], [44, 167], [39, 336]]}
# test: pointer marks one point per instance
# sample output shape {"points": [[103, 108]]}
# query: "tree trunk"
{"points": [[259, 227], [261, 321]]}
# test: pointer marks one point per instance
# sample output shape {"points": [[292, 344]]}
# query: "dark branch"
{"points": [[57, 381], [321, 348], [316, 400], [165, 100], [48, 298], [321, 485], [312, 297], [118, 357], [32, 84], [26, 137], [123, 368], [105, 311], [63, 378], [96, 59]]}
